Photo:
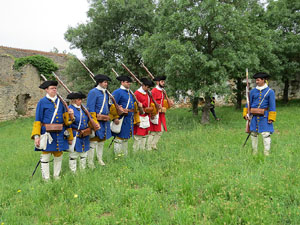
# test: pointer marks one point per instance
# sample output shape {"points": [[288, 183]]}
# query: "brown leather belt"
{"points": [[130, 110], [44, 124]]}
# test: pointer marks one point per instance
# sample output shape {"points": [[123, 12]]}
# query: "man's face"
{"points": [[260, 82], [78, 101], [161, 83], [126, 84], [145, 88], [51, 91], [104, 84]]}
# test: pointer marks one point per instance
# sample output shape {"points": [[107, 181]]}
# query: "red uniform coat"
{"points": [[159, 98], [146, 101]]}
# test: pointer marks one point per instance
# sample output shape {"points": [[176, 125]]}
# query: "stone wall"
{"points": [[19, 90], [59, 59]]}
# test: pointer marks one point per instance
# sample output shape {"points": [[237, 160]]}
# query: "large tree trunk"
{"points": [[205, 111], [195, 102], [286, 91], [239, 90]]}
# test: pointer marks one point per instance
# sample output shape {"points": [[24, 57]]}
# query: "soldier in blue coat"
{"points": [[80, 127], [262, 112], [50, 110], [98, 105], [122, 126]]}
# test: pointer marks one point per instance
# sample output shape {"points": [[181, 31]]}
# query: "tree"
{"points": [[111, 33], [200, 44], [283, 16]]}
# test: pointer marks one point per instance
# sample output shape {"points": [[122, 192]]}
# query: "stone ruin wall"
{"points": [[19, 90]]}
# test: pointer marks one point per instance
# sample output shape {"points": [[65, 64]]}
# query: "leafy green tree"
{"points": [[283, 17], [111, 33], [201, 44]]}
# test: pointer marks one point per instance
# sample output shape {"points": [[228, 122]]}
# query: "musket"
{"points": [[247, 130], [137, 101], [120, 110], [95, 126], [62, 100], [157, 106], [152, 78]]}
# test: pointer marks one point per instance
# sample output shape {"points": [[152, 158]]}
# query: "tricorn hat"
{"points": [[76, 95], [48, 83], [101, 77], [124, 78], [159, 78], [261, 75], [147, 82]]}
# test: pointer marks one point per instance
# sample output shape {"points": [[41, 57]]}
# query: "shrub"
{"points": [[43, 64]]}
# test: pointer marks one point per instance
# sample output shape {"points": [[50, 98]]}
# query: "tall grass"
{"points": [[199, 175]]}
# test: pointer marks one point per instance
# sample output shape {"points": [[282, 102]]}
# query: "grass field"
{"points": [[199, 175]]}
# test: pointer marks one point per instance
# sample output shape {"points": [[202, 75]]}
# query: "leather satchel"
{"points": [[257, 111], [163, 110], [148, 109], [103, 117], [53, 127], [85, 132]]}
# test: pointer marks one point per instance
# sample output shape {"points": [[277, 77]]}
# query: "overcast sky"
{"points": [[40, 24]]}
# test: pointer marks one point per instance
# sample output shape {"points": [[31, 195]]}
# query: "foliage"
{"points": [[199, 175], [43, 64], [198, 45], [110, 35], [283, 16]]}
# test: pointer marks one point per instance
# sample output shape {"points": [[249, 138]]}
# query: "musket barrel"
{"points": [[90, 72]]}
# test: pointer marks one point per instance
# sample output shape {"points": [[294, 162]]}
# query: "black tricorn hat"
{"points": [[261, 75], [101, 77], [48, 83], [124, 78], [147, 82], [76, 95], [159, 78]]}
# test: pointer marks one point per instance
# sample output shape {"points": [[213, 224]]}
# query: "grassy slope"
{"points": [[200, 175]]}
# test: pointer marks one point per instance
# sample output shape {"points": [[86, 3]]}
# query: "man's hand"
{"points": [[69, 142], [116, 121], [138, 124], [247, 117], [71, 114], [140, 105], [97, 126], [270, 121], [71, 111], [37, 141]]}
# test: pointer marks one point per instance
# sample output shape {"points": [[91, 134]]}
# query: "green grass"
{"points": [[200, 175]]}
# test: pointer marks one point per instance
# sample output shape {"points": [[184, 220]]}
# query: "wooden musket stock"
{"points": [[95, 126], [152, 78], [140, 108], [119, 109], [157, 106], [61, 99]]}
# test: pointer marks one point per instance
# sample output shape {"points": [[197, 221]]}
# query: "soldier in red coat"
{"points": [[158, 122], [142, 130]]}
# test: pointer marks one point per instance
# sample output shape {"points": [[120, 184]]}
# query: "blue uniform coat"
{"points": [[94, 103], [260, 123], [121, 96], [44, 112], [81, 144]]}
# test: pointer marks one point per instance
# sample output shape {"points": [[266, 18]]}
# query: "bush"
{"points": [[43, 64]]}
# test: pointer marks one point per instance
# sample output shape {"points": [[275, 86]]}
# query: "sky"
{"points": [[40, 24]]}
